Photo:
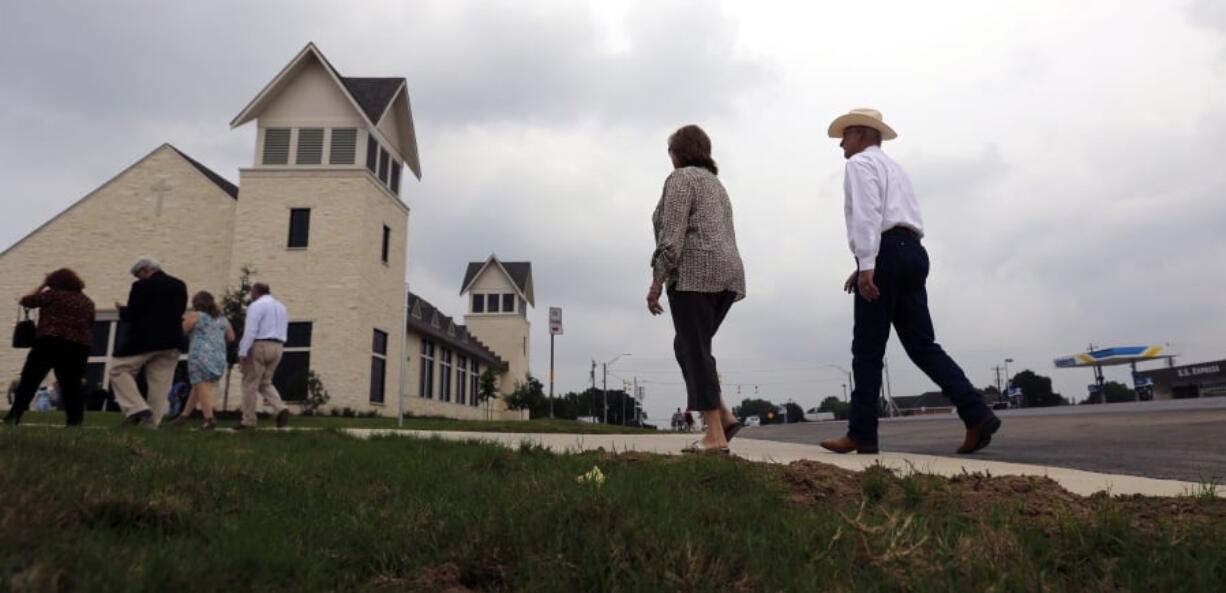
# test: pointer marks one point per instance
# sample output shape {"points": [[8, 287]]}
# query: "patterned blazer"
{"points": [[695, 239]]}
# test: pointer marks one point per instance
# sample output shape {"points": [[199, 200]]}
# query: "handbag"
{"points": [[25, 332]]}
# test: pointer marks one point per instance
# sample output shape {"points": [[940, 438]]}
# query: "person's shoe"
{"points": [[180, 420], [142, 418], [9, 421], [209, 424], [282, 418], [980, 435], [844, 444], [697, 448], [731, 430], [242, 426]]}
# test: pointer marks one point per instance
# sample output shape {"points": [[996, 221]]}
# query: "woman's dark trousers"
{"points": [[901, 275], [696, 318], [68, 360]]}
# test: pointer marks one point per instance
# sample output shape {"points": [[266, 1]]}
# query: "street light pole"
{"points": [[850, 379], [605, 383]]}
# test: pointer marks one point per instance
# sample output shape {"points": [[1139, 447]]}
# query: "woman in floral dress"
{"points": [[208, 332]]}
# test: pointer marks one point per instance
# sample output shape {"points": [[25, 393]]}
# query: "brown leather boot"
{"points": [[844, 444], [980, 435]]}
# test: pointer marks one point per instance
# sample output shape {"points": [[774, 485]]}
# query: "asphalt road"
{"points": [[1180, 439]]}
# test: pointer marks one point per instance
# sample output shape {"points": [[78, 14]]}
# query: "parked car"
{"points": [[753, 421], [812, 415]]}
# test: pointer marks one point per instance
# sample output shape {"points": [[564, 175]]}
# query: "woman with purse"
{"points": [[208, 331], [63, 339]]}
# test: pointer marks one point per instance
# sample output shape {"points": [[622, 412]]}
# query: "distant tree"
{"points": [[487, 389], [1036, 390], [795, 413], [766, 411], [529, 395], [840, 408], [234, 307], [1116, 392]]}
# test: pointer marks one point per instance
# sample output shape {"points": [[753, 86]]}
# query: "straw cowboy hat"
{"points": [[869, 118]]}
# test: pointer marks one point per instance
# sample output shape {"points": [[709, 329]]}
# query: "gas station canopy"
{"points": [[1113, 356]]}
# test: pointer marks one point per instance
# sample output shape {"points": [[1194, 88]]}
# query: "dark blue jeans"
{"points": [[901, 274]]}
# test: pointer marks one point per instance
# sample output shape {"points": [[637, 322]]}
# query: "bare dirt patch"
{"points": [[1035, 499]]}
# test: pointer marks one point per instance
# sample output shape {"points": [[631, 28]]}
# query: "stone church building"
{"points": [[318, 216]]}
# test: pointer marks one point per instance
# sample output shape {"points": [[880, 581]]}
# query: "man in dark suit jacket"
{"points": [[152, 335]]}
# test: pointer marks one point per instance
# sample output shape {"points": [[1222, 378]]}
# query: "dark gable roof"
{"points": [[372, 94], [462, 341], [520, 272], [218, 180]]}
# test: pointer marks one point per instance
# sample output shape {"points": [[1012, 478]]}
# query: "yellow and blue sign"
{"points": [[1113, 356]]}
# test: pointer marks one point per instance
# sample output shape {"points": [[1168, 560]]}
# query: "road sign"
{"points": [[555, 321]]}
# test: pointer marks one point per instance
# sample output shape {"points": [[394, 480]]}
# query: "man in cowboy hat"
{"points": [[884, 230]]}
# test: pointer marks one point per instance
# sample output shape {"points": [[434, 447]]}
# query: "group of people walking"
{"points": [[696, 262], [155, 328]]}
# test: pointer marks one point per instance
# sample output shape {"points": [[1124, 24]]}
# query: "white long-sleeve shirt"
{"points": [[877, 197], [267, 319]]}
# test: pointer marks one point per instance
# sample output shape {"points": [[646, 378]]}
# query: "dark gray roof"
{"points": [[218, 180], [462, 341], [373, 94], [520, 271]]}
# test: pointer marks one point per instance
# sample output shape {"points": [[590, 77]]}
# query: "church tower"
{"points": [[499, 294], [320, 219]]}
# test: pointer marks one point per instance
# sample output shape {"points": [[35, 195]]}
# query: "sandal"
{"points": [[731, 430], [697, 448]]}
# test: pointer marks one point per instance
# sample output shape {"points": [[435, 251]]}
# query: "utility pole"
{"points": [[605, 388], [997, 369], [845, 392], [591, 412]]}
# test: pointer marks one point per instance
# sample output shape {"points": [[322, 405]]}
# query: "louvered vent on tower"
{"points": [[276, 146], [310, 146], [344, 146]]}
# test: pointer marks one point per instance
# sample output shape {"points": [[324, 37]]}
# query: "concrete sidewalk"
{"points": [[1079, 482]]}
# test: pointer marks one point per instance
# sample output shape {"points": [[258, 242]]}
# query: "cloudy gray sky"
{"points": [[1068, 156]]}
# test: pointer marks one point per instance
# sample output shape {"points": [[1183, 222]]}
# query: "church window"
{"points": [[344, 144], [508, 303], [396, 177], [290, 378], [276, 146], [478, 303], [444, 375], [378, 367], [372, 153], [383, 158], [299, 227], [461, 379], [426, 387], [492, 303], [387, 242], [310, 146]]}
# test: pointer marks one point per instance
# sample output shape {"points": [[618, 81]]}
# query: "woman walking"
{"points": [[697, 261], [63, 341], [208, 332]]}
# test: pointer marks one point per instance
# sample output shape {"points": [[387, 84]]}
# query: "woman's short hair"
{"points": [[65, 279], [692, 148], [204, 302]]}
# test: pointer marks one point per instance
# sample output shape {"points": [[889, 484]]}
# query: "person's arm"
{"points": [[189, 322], [254, 315], [674, 221], [229, 331], [864, 227], [35, 298]]}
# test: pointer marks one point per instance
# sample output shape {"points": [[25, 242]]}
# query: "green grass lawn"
{"points": [[110, 419], [180, 512]]}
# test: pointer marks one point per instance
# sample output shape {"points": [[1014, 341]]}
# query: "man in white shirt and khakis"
{"points": [[259, 353], [884, 229]]}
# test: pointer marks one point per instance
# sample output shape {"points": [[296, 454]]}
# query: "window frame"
{"points": [[378, 367], [425, 386], [305, 231], [353, 155], [289, 133], [387, 243]]}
